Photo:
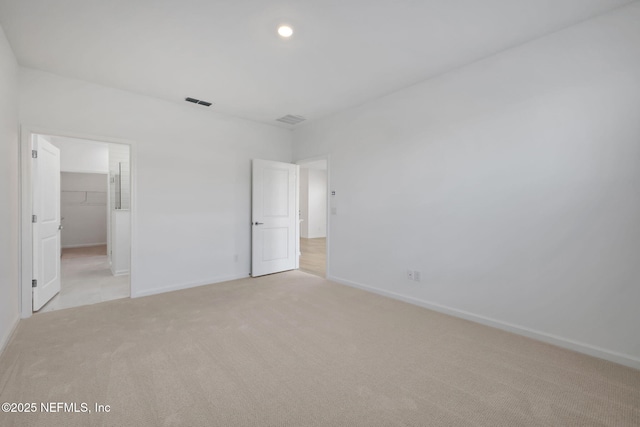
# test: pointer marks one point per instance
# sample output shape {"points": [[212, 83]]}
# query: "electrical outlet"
{"points": [[416, 276], [410, 274]]}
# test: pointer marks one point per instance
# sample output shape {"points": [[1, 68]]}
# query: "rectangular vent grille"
{"points": [[199, 102], [291, 120]]}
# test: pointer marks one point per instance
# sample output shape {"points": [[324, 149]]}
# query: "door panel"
{"points": [[46, 230], [275, 244], [275, 196], [274, 217]]}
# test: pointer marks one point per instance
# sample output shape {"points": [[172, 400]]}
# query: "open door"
{"points": [[274, 221], [46, 221]]}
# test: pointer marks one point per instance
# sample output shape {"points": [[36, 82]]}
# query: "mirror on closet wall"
{"points": [[121, 183], [120, 170], [120, 192]]}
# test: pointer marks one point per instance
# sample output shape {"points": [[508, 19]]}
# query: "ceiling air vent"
{"points": [[197, 101], [291, 120]]}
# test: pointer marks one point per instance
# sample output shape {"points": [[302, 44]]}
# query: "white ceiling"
{"points": [[342, 53]]}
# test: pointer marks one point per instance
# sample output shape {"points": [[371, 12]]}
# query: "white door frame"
{"points": [[26, 231], [301, 162]]}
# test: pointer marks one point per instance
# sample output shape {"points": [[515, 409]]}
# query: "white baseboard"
{"points": [[612, 356], [83, 245], [120, 273], [170, 288], [4, 340]]}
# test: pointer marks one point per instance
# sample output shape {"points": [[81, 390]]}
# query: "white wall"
{"points": [[83, 207], [193, 174], [317, 203], [510, 184], [81, 156], [9, 206]]}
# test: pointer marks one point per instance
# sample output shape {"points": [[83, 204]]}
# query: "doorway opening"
{"points": [[289, 216], [313, 190], [81, 229]]}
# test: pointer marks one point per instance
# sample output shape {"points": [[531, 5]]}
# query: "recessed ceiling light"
{"points": [[285, 31]]}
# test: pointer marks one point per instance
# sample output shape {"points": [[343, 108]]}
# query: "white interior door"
{"points": [[46, 225], [274, 221]]}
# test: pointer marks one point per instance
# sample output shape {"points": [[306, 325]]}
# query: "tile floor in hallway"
{"points": [[87, 279], [314, 256]]}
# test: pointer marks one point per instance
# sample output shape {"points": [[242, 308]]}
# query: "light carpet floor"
{"points": [[293, 349]]}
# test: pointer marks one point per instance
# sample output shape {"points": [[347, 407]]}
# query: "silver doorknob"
{"points": [[60, 227]]}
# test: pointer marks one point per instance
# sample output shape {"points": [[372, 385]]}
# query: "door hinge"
{"points": [[34, 154], [34, 218], [34, 283]]}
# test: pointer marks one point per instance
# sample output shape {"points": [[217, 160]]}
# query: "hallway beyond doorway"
{"points": [[314, 256]]}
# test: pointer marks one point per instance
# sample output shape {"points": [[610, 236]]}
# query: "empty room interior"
{"points": [[336, 213]]}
